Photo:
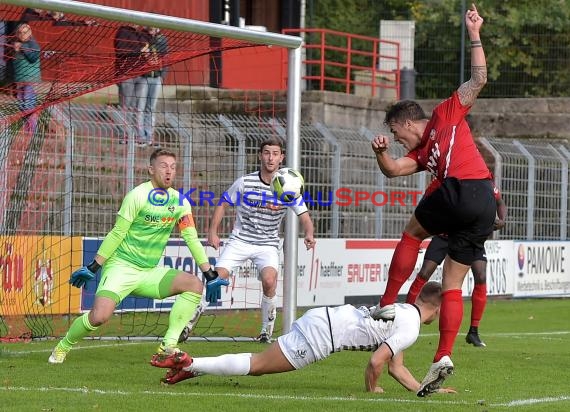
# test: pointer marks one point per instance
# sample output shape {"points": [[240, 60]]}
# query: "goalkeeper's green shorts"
{"points": [[121, 279]]}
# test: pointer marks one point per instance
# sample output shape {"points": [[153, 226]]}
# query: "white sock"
{"points": [[224, 365], [268, 313]]}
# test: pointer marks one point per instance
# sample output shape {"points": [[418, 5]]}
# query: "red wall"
{"points": [[194, 71], [241, 68], [190, 9], [260, 68]]}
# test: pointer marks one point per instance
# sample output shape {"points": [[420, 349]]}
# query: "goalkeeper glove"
{"points": [[214, 285], [80, 277]]}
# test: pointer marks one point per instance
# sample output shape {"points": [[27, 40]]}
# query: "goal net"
{"points": [[75, 139]]}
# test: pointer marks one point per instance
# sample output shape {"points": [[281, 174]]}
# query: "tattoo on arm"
{"points": [[469, 90]]}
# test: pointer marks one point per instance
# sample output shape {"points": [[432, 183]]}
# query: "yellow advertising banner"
{"points": [[34, 275]]}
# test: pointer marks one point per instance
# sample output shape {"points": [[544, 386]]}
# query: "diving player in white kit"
{"points": [[321, 332]]}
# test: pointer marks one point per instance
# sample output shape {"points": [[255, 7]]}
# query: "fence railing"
{"points": [[349, 63]]}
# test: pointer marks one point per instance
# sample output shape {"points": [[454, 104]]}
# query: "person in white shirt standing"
{"points": [[255, 235]]}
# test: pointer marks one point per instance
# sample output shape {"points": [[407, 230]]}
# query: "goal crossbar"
{"points": [[161, 21]]}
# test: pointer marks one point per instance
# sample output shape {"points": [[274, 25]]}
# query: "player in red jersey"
{"points": [[436, 252], [463, 206]]}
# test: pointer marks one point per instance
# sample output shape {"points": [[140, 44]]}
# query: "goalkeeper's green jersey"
{"points": [[151, 224]]}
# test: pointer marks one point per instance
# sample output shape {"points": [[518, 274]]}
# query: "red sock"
{"points": [[450, 316], [478, 302], [401, 267], [415, 289]]}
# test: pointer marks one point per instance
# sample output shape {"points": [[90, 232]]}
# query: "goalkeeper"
{"points": [[321, 332], [129, 256]]}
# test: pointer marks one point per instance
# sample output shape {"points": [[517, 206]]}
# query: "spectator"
{"points": [[3, 63], [59, 19], [131, 43], [26, 73], [149, 87], [35, 15]]}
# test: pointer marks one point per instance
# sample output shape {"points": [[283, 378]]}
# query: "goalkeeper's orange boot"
{"points": [[174, 359], [178, 375]]}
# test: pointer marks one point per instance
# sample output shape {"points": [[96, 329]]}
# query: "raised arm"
{"points": [[469, 90]]}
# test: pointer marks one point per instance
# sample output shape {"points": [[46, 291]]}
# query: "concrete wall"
{"points": [[542, 117]]}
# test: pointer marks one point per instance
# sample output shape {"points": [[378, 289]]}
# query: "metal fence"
{"points": [[533, 179], [84, 168]]}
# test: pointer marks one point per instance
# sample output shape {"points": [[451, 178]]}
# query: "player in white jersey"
{"points": [[255, 235], [321, 332]]}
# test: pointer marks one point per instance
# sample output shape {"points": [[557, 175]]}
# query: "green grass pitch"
{"points": [[526, 366]]}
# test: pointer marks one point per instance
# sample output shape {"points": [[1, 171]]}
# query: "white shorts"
{"points": [[296, 348], [236, 252], [309, 339]]}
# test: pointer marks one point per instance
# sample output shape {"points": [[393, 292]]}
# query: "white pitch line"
{"points": [[105, 345], [533, 401], [512, 334], [84, 390], [236, 395]]}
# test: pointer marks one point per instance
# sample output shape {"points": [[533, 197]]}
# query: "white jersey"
{"points": [[332, 329], [259, 213]]}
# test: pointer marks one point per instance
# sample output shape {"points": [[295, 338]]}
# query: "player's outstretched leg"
{"points": [[436, 375]]}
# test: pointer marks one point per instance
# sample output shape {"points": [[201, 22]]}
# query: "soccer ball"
{"points": [[288, 184]]}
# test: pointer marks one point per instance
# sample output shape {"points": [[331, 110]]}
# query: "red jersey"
{"points": [[447, 148]]}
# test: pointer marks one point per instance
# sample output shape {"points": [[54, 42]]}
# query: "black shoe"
{"points": [[184, 335], [264, 338], [474, 339]]}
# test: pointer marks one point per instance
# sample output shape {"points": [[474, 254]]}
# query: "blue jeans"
{"points": [[147, 97], [27, 100]]}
